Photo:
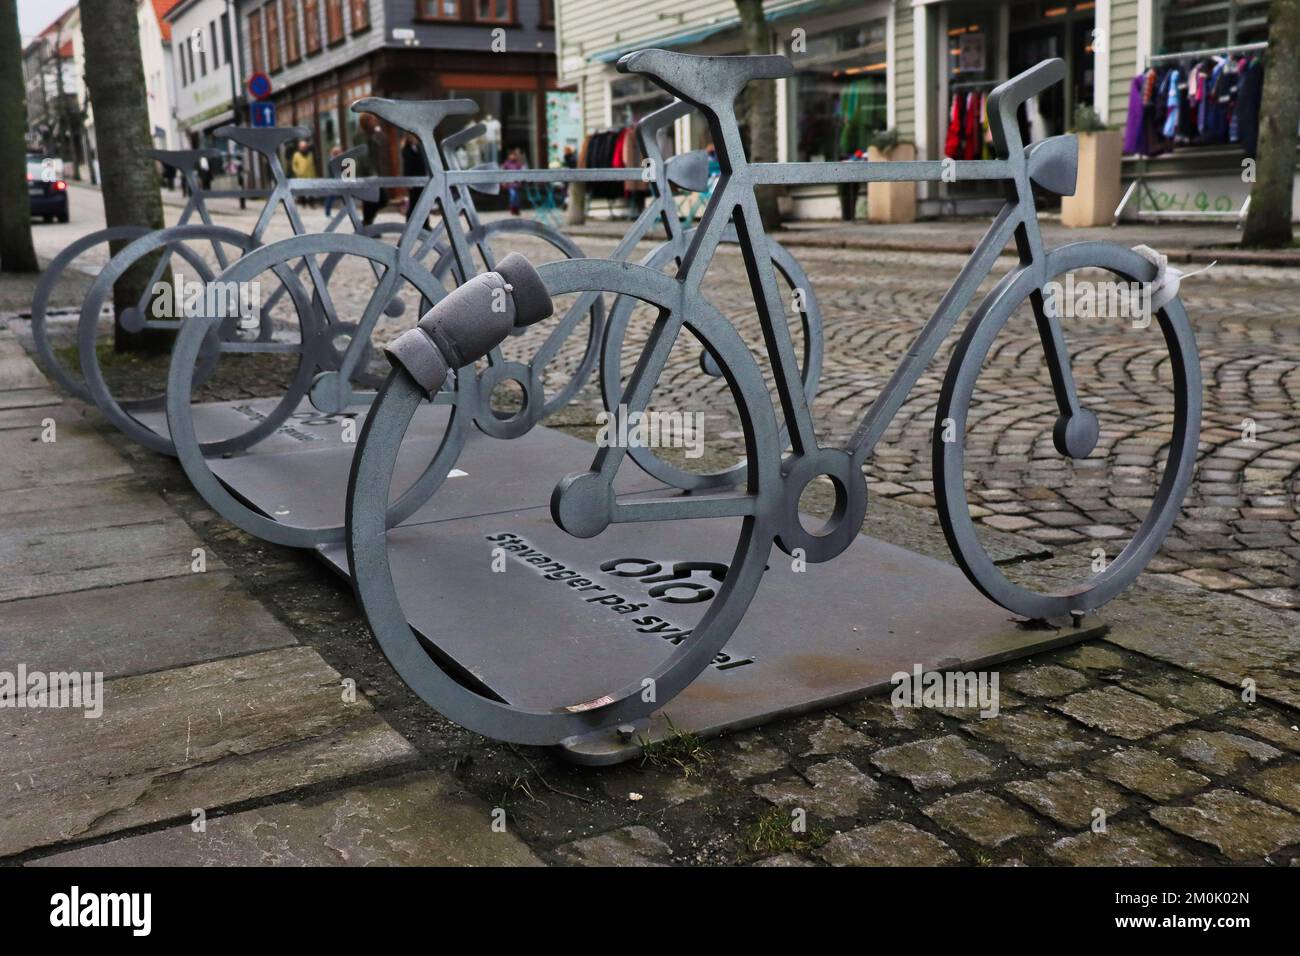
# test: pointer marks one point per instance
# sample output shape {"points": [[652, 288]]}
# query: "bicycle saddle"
{"points": [[336, 162], [186, 160], [689, 171], [420, 117], [706, 81], [263, 140]]}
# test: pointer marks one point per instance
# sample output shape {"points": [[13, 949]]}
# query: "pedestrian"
{"points": [[335, 152], [514, 161], [302, 165], [413, 164], [205, 173], [373, 162]]}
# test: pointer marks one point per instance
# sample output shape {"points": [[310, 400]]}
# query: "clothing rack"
{"points": [[1139, 184], [1208, 51]]}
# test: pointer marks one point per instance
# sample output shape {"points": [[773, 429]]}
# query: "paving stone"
{"points": [[17, 370], [982, 817], [204, 736], [881, 713], [754, 756], [784, 859], [1239, 827], [28, 398], [937, 762], [1284, 598], [887, 844], [1094, 657], [656, 789], [1185, 693], [1150, 774], [1121, 713], [830, 735], [1279, 784], [1068, 797], [1214, 579], [630, 846], [1217, 752], [30, 417], [1010, 522], [77, 456], [423, 819], [1276, 730], [1035, 737], [1048, 680], [132, 628], [833, 789], [1122, 844], [109, 534]]}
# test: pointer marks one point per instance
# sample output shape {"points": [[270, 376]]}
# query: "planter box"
{"points": [[891, 202], [1097, 192]]}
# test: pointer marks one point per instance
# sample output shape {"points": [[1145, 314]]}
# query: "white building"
{"points": [[207, 72], [159, 83]]}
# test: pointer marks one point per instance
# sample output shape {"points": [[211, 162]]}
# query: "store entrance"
{"points": [[1070, 38]]}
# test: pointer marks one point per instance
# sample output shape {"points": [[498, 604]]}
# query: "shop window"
{"points": [[272, 11], [1187, 25], [292, 51], [256, 58], [360, 15], [334, 21], [632, 97], [311, 25], [547, 18], [511, 120], [838, 97]]}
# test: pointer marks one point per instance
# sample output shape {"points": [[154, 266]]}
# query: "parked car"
{"points": [[47, 191]]}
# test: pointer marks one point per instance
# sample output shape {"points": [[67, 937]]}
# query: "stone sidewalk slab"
{"points": [[30, 416], [28, 398], [76, 455], [94, 536], [199, 737], [138, 628], [424, 819], [17, 370]]}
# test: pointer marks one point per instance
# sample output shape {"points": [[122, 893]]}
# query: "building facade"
{"points": [[207, 70], [322, 55], [865, 66]]}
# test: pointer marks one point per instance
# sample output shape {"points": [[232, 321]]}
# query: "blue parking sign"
{"points": [[263, 114]]}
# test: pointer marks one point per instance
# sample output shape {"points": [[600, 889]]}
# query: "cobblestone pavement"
{"points": [[1176, 740]]}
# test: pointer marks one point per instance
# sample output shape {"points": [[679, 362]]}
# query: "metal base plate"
{"points": [[812, 638]]}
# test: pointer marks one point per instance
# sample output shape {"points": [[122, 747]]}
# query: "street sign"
{"points": [[263, 114], [259, 86]]}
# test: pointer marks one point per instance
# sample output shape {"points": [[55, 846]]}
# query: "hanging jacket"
{"points": [[952, 143], [1134, 130], [971, 138]]}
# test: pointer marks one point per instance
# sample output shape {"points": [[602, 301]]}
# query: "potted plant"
{"points": [[1097, 189], [891, 202]]}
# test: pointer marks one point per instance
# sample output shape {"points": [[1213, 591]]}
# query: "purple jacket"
{"points": [[1134, 131]]}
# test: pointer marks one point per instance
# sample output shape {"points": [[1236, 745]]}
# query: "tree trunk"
{"points": [[129, 178], [1268, 221], [16, 252], [761, 96]]}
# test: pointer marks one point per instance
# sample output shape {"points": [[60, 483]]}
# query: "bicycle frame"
{"points": [[1049, 163]]}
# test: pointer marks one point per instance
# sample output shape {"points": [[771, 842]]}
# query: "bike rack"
{"points": [[547, 623]]}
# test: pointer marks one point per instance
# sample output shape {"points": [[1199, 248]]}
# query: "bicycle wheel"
{"points": [[174, 242], [319, 361], [367, 538], [611, 361], [528, 369], [1139, 395], [71, 382]]}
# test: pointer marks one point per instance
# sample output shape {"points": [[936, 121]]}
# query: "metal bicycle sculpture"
{"points": [[766, 506], [178, 241], [469, 397], [186, 163]]}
